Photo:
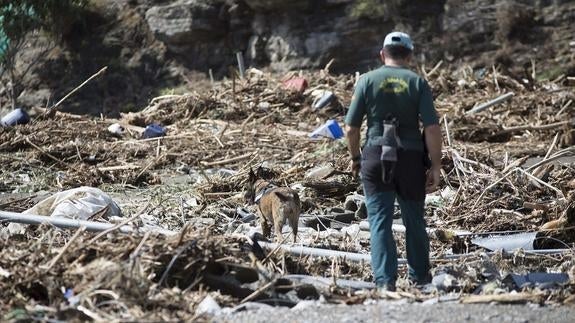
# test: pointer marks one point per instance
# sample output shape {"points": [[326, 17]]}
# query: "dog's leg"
{"points": [[279, 220], [293, 223], [266, 228]]}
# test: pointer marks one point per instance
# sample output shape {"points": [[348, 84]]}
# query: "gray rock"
{"points": [[318, 43], [361, 212], [186, 21], [354, 202], [38, 98]]}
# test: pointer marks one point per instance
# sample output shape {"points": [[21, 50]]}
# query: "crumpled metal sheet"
{"points": [[523, 240]]}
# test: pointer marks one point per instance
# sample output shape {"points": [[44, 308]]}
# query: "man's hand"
{"points": [[433, 178], [352, 135], [433, 143], [355, 166]]}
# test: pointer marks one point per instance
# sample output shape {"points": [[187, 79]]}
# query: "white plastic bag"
{"points": [[79, 203]]}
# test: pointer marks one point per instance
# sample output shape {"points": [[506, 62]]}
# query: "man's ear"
{"points": [[382, 56]]}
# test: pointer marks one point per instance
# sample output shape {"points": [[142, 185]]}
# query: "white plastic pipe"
{"points": [[358, 257], [491, 103], [241, 67], [66, 223], [317, 252]]}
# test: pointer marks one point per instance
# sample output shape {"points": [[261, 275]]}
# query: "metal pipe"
{"points": [[357, 257], [66, 223], [400, 228], [488, 104], [301, 251]]}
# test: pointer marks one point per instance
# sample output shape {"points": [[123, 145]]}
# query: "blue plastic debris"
{"points": [[330, 129], [154, 130], [15, 117], [69, 293], [326, 98], [72, 299]]}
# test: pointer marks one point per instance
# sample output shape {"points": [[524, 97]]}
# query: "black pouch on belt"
{"points": [[389, 142]]}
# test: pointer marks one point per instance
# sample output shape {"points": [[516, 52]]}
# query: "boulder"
{"points": [[186, 21], [37, 98]]}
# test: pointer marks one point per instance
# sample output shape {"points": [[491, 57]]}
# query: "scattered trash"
{"points": [[491, 103], [352, 230], [541, 280], [208, 306], [81, 203], [438, 199], [297, 84], [523, 240], [324, 100], [445, 282], [66, 223], [154, 130], [326, 221], [73, 299], [116, 129], [322, 172], [219, 135], [330, 129], [501, 298], [245, 215], [461, 83], [4, 273], [16, 117], [356, 203], [325, 283], [264, 106]]}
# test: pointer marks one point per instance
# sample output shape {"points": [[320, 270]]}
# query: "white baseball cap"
{"points": [[398, 38]]}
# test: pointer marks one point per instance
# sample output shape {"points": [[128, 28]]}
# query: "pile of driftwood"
{"points": [[507, 174]]}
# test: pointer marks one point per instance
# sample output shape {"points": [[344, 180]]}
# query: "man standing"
{"points": [[394, 159]]}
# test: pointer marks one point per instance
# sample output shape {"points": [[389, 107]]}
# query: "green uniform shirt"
{"points": [[396, 92]]}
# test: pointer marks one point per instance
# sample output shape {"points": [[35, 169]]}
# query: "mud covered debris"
{"points": [[507, 169]]}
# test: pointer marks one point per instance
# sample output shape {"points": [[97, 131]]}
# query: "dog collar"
{"points": [[263, 192]]}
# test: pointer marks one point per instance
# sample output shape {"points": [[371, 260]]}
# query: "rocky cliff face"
{"points": [[153, 44]]}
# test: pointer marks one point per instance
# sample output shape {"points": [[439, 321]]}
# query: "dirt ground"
{"points": [[398, 311]]}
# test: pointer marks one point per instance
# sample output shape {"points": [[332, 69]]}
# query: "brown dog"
{"points": [[276, 205]]}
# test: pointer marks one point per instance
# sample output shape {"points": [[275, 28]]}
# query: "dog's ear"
{"points": [[251, 176]]}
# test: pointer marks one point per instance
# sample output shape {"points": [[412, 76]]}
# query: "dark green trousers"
{"points": [[408, 187]]}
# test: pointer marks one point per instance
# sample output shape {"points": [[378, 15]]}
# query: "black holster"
{"points": [[389, 142]]}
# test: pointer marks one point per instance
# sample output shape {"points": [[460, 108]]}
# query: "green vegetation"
{"points": [[179, 90], [550, 73], [18, 18]]}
